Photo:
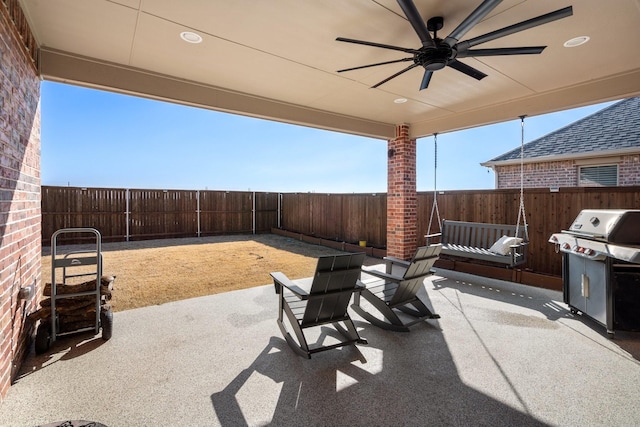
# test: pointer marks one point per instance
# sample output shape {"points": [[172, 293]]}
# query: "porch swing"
{"points": [[496, 243]]}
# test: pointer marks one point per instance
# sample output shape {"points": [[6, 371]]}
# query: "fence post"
{"points": [[198, 210], [279, 210], [253, 212], [127, 209], [310, 215]]}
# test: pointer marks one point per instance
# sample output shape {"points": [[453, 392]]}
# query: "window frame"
{"points": [[596, 183]]}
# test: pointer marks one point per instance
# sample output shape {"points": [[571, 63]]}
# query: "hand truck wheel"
{"points": [[106, 320], [43, 337]]}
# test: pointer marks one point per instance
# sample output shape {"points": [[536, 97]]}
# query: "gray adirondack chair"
{"points": [[394, 292], [320, 300]]}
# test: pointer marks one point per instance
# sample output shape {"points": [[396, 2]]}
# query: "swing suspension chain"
{"points": [[434, 208], [522, 214], [521, 211]]}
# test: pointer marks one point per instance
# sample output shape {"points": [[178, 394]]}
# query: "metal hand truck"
{"points": [[85, 263]]}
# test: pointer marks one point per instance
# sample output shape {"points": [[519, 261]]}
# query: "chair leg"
{"points": [[301, 347], [292, 342], [394, 323], [422, 311], [351, 333]]}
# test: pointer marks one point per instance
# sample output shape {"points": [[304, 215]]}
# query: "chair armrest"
{"points": [[519, 250], [390, 261], [428, 237], [517, 246], [393, 260], [382, 275], [279, 280]]}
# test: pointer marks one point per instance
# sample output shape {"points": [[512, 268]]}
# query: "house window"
{"points": [[598, 176]]}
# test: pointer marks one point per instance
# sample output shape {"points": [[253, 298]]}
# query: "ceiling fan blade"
{"points": [[418, 24], [524, 25], [466, 69], [472, 53], [375, 65], [383, 46], [426, 79], [394, 76], [471, 21]]}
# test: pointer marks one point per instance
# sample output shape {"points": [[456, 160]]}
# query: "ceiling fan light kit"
{"points": [[436, 53]]}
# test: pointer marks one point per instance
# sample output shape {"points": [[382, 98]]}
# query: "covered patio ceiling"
{"points": [[278, 60]]}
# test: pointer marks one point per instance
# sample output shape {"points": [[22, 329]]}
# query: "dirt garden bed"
{"points": [[154, 272]]}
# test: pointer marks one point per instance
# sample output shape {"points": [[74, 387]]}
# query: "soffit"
{"points": [[278, 60]]}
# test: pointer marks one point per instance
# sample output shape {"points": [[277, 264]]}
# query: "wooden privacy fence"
{"points": [[122, 214], [130, 214], [547, 213], [354, 217], [341, 217]]}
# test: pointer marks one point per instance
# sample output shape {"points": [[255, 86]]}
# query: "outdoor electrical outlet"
{"points": [[26, 292]]}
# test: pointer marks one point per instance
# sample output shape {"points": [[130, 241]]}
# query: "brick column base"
{"points": [[401, 195]]}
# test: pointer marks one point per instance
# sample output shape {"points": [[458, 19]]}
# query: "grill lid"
{"points": [[609, 225]]}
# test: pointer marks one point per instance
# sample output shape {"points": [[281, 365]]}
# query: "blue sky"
{"points": [[93, 138]]}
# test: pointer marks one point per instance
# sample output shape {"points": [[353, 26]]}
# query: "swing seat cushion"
{"points": [[503, 245]]}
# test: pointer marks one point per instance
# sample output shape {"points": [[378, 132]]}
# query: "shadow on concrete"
{"points": [[535, 298], [66, 347], [416, 384], [547, 302]]}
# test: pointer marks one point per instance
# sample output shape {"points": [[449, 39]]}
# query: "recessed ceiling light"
{"points": [[400, 100], [576, 41], [190, 37]]}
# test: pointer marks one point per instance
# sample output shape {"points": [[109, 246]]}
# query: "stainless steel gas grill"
{"points": [[601, 267]]}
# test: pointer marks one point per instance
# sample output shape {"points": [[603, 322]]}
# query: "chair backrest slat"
{"points": [[415, 273], [333, 274]]}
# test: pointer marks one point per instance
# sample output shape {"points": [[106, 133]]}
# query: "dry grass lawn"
{"points": [[159, 271]]}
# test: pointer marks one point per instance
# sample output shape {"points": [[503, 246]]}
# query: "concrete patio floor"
{"points": [[502, 354]]}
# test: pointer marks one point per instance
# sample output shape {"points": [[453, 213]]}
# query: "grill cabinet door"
{"points": [[588, 287]]}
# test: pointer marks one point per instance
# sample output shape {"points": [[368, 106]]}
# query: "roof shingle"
{"points": [[613, 128]]}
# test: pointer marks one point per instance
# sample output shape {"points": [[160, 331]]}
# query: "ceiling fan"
{"points": [[437, 53]]}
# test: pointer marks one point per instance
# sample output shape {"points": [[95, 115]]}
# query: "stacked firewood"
{"points": [[75, 312]]}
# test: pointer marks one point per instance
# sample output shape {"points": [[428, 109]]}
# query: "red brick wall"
{"points": [[19, 197], [629, 171], [562, 174], [401, 195]]}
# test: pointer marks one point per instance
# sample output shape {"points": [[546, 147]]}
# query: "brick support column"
{"points": [[401, 195]]}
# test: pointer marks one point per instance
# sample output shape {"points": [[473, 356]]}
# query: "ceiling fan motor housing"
{"points": [[434, 58]]}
